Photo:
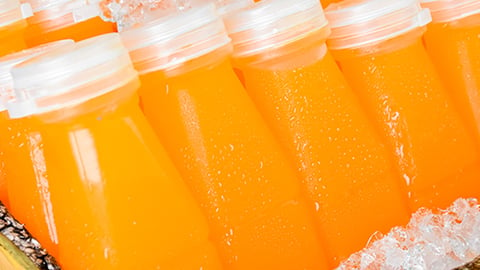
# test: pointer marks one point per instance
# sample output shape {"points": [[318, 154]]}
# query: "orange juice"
{"points": [[325, 3], [65, 19], [117, 199], [12, 27], [27, 184], [397, 83], [10, 170], [219, 142], [456, 57], [345, 169]]}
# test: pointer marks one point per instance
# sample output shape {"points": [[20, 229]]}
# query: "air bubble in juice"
{"points": [[378, 45], [345, 168], [453, 42], [118, 201], [222, 147], [64, 19]]}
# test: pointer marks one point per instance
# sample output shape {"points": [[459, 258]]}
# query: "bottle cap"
{"points": [[70, 75], [273, 23], [9, 61], [12, 11], [52, 14], [451, 10], [169, 41], [356, 23], [226, 7]]}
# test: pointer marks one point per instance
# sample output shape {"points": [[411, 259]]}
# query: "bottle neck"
{"points": [[383, 47], [12, 39], [212, 58], [12, 28], [472, 21], [47, 20], [93, 108], [301, 51]]}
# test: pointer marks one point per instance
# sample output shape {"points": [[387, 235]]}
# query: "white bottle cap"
{"points": [[169, 41], [226, 7], [9, 61], [451, 10], [67, 12], [272, 23], [71, 75], [357, 23], [12, 11]]}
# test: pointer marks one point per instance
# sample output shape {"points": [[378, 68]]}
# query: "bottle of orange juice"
{"points": [[457, 57], [117, 199], [297, 86], [64, 19], [12, 26], [26, 209], [378, 44], [219, 142]]}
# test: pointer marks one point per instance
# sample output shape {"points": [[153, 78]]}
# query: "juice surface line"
{"points": [[453, 42], [345, 168], [12, 27], [18, 176], [117, 199], [64, 19], [378, 45], [222, 147]]}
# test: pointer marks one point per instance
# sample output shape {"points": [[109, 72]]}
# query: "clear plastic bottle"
{"points": [[64, 19], [117, 199], [346, 170], [457, 57], [12, 26], [220, 143], [378, 44]]}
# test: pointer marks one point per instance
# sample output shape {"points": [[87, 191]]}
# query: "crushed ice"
{"points": [[439, 240], [130, 12], [127, 13]]}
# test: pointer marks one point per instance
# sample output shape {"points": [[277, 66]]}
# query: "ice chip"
{"points": [[127, 13]]}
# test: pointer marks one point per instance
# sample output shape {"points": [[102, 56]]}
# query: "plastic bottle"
{"points": [[12, 26], [220, 144], [347, 172], [64, 19], [117, 199], [15, 159], [456, 57], [378, 44]]}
